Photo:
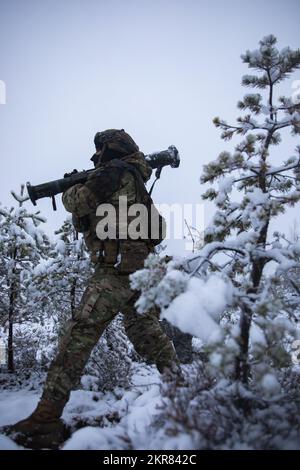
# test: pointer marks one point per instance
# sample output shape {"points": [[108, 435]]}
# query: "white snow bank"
{"points": [[91, 438], [197, 310], [16, 405], [114, 420], [136, 408], [8, 444]]}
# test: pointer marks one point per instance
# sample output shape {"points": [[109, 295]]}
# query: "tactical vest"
{"points": [[127, 254]]}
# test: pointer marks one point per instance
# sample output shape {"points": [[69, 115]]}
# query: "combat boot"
{"points": [[42, 429]]}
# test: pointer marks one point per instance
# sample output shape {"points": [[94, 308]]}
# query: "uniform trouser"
{"points": [[107, 294]]}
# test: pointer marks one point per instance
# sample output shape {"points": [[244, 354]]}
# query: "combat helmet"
{"points": [[113, 143]]}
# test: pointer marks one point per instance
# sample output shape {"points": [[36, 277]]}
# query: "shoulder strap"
{"points": [[139, 182]]}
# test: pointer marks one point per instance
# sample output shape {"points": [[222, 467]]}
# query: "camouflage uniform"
{"points": [[108, 292]]}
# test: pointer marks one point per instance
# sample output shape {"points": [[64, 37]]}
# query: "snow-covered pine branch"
{"points": [[20, 197]]}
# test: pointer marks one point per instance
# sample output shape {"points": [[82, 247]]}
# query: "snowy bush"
{"points": [[208, 415]]}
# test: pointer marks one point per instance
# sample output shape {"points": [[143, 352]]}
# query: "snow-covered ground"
{"points": [[143, 416], [15, 405], [114, 420]]}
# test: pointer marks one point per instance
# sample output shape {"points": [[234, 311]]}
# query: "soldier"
{"points": [[120, 170]]}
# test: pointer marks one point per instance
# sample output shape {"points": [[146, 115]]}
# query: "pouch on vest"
{"points": [[133, 255]]}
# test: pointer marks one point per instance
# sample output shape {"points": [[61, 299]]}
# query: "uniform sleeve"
{"points": [[79, 200], [83, 199], [104, 183]]}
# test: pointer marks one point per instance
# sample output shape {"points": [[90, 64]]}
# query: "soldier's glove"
{"points": [[67, 175]]}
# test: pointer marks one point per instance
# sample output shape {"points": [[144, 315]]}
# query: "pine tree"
{"points": [[72, 265], [21, 245], [223, 293], [60, 280], [240, 227]]}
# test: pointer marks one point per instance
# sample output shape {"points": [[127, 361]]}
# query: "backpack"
{"points": [[156, 222]]}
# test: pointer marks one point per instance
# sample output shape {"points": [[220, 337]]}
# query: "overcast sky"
{"points": [[160, 69]]}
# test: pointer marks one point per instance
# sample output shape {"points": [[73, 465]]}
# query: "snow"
{"points": [[197, 310], [270, 384], [19, 197], [134, 411], [159, 283], [216, 359], [136, 419], [191, 298], [90, 438], [257, 197], [257, 335], [8, 444], [16, 405], [61, 247], [225, 186]]}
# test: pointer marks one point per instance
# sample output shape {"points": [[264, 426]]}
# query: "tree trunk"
{"points": [[10, 349], [242, 364], [11, 313], [242, 368]]}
